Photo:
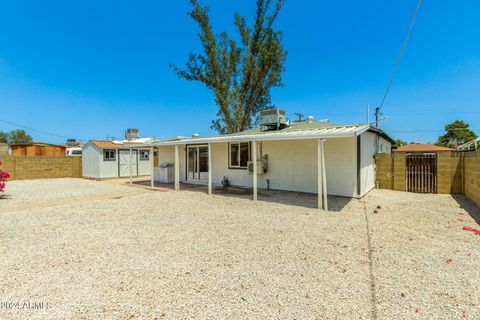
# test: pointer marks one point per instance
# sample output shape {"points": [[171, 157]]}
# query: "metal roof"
{"points": [[468, 146], [314, 133]]}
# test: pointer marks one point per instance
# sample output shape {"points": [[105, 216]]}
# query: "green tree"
{"points": [[240, 75], [15, 136], [400, 143], [457, 133], [3, 137]]}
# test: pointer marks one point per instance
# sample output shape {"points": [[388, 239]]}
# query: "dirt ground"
{"points": [[80, 249]]}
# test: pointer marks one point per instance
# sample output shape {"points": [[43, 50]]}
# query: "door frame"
{"points": [[198, 162], [134, 151]]}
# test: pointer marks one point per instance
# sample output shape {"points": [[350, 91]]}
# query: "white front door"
{"points": [[197, 163], [124, 163]]}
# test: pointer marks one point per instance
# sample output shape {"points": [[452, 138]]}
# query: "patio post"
{"points": [[177, 169], [324, 177], [130, 164], [210, 168], [254, 159], [152, 166]]}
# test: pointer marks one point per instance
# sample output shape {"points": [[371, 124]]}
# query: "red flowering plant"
{"points": [[3, 179]]}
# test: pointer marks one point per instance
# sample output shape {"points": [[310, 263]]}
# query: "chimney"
{"points": [[132, 134]]}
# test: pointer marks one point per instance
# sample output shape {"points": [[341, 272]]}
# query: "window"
{"points": [[144, 155], [239, 154], [109, 155]]}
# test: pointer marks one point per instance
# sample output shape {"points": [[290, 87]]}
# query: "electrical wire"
{"points": [[400, 56], [36, 130]]}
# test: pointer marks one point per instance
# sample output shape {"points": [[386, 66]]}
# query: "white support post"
{"points": [[130, 165], [152, 165], [177, 169], [319, 174], [324, 178], [209, 168], [254, 159]]}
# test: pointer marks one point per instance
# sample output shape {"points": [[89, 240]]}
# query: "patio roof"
{"points": [[313, 133]]}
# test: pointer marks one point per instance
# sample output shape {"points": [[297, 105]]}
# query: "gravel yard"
{"points": [[99, 250]]}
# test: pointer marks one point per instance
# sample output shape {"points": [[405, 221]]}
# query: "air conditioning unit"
{"points": [[260, 167], [273, 119]]}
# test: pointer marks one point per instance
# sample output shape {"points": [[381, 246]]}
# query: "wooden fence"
{"points": [[26, 168]]}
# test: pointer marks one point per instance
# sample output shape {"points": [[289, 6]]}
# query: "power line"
{"points": [[36, 130], [399, 59]]}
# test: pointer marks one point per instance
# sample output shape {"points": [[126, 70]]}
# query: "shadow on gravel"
{"points": [[469, 206], [291, 198]]}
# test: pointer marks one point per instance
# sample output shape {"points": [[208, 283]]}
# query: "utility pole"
{"points": [[368, 114], [300, 116], [377, 115]]}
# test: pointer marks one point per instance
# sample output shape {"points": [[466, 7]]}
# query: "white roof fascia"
{"points": [[325, 133]]}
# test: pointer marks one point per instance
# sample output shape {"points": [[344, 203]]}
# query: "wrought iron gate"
{"points": [[421, 172]]}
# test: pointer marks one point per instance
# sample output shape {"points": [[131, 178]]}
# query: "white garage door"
{"points": [[124, 163]]}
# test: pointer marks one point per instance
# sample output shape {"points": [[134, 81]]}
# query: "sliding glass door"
{"points": [[197, 163]]}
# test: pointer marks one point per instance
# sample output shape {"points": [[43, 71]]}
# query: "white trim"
{"points": [[239, 155], [466, 146], [331, 132]]}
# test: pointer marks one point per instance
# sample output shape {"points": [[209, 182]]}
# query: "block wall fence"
{"points": [[26, 168], [457, 173]]}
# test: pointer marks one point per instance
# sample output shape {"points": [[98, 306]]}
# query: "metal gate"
{"points": [[421, 172]]}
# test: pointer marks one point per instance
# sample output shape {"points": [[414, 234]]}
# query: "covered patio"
{"points": [[316, 137]]}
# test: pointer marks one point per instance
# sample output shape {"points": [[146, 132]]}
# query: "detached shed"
{"points": [[114, 159]]}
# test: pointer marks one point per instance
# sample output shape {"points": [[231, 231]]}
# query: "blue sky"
{"points": [[88, 69]]}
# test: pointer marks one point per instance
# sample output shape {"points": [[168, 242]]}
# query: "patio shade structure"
{"points": [[319, 134]]}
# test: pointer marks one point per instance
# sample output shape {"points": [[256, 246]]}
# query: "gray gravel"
{"points": [[168, 255]]}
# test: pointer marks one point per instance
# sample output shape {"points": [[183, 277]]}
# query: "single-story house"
{"points": [[112, 159], [305, 156]]}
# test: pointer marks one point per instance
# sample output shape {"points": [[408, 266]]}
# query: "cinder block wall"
{"points": [[384, 170], [472, 176], [458, 173], [3, 150], [399, 167], [449, 172], [391, 171], [26, 168]]}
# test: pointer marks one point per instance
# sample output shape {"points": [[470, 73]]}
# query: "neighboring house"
{"points": [[422, 148], [111, 159], [38, 149], [288, 155]]}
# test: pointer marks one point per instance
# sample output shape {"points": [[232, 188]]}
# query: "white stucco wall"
{"points": [[145, 166], [108, 169], [385, 146], [90, 161], [367, 162]]}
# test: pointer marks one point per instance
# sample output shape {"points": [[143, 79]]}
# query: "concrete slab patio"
{"points": [[100, 250]]}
